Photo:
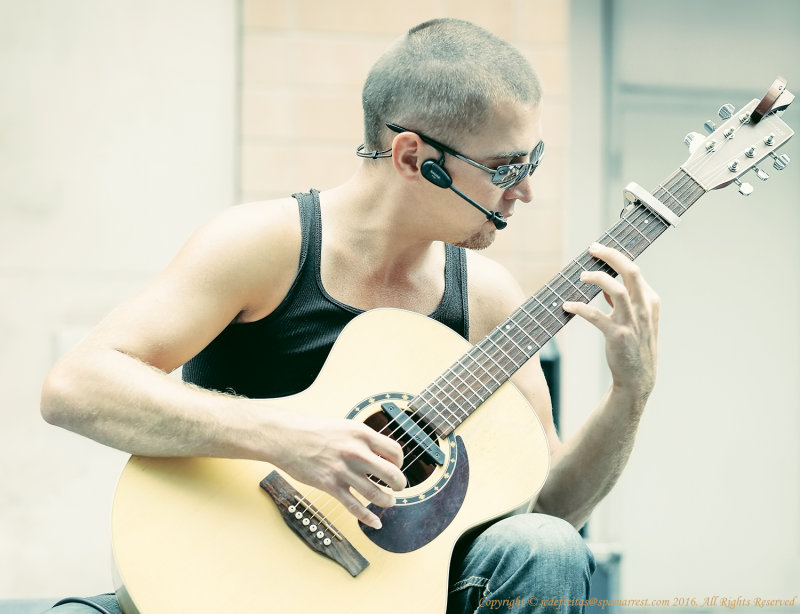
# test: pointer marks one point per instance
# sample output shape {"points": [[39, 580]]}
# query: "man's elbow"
{"points": [[58, 401]]}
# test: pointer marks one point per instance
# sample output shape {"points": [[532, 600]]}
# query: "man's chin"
{"points": [[480, 240]]}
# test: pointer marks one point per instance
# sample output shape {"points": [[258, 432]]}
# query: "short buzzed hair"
{"points": [[444, 77]]}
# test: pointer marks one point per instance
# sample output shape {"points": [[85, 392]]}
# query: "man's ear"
{"points": [[408, 155]]}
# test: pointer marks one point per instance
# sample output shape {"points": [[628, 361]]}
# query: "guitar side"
{"points": [[199, 535]]}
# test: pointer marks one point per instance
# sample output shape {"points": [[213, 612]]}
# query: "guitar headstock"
{"points": [[747, 137]]}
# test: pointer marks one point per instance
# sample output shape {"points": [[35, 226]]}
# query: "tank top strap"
{"points": [[310, 222], [454, 308]]}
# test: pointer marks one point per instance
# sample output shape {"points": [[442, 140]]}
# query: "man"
{"points": [[253, 301]]}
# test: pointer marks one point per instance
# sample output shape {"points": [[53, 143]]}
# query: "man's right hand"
{"points": [[341, 457]]}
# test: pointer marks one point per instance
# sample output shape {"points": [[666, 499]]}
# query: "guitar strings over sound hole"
{"points": [[417, 466]]}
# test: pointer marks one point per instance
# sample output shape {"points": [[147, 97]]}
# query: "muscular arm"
{"points": [[585, 467], [115, 386]]}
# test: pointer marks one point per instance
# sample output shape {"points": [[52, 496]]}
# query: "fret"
{"points": [[580, 265], [435, 399], [455, 406], [504, 350], [574, 286], [558, 295], [513, 362], [636, 229], [453, 388], [474, 376], [532, 317], [621, 246], [529, 348], [672, 196], [503, 330], [490, 357], [536, 298], [471, 356]]}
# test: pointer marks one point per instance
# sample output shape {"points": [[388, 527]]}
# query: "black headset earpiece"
{"points": [[434, 172]]}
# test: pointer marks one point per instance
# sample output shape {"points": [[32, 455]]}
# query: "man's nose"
{"points": [[521, 191]]}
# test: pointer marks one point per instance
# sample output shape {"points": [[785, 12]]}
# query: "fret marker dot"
{"points": [[555, 303], [530, 347], [508, 326]]}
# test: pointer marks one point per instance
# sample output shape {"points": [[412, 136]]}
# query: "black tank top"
{"points": [[282, 353]]}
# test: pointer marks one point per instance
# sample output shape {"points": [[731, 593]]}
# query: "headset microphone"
{"points": [[494, 216], [434, 172]]}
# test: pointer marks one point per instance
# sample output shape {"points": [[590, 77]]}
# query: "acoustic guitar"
{"points": [[211, 536]]}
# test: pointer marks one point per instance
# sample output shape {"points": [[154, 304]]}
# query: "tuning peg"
{"points": [[726, 111], [710, 126], [763, 175], [781, 162], [745, 189], [693, 140]]}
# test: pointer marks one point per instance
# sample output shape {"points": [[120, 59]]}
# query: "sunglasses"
{"points": [[504, 176]]}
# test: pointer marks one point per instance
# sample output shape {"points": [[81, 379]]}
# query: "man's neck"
{"points": [[374, 252]]}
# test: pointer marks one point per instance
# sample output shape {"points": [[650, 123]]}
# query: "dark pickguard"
{"points": [[409, 527]]}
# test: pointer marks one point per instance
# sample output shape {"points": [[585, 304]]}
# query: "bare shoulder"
{"points": [[264, 225], [252, 250], [237, 266], [493, 293]]}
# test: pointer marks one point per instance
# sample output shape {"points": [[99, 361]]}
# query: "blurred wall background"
{"points": [[125, 125], [118, 136]]}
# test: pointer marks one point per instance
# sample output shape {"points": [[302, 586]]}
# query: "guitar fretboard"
{"points": [[460, 390]]}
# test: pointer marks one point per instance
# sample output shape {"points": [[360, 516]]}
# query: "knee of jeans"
{"points": [[543, 538]]}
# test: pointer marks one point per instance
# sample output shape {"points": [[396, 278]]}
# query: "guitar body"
{"points": [[199, 535]]}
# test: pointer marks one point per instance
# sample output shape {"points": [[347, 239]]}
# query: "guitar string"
{"points": [[643, 213]]}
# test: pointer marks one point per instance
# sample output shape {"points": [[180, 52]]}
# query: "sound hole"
{"points": [[417, 466]]}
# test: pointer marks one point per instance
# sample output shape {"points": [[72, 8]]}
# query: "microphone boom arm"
{"points": [[493, 216]]}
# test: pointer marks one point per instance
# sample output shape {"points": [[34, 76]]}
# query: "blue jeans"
{"points": [[529, 562]]}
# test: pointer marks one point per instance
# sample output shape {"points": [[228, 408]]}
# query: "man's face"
{"points": [[512, 131]]}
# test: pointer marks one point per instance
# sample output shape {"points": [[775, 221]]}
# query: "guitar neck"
{"points": [[453, 396]]}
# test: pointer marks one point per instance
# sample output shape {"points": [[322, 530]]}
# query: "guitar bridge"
{"points": [[311, 526]]}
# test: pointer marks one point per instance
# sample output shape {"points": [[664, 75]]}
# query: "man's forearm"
{"points": [[588, 464], [124, 403]]}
